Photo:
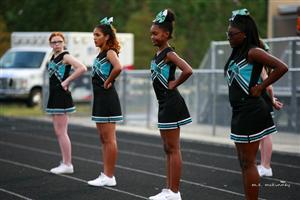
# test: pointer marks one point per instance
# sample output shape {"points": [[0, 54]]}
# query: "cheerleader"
{"points": [[60, 100], [106, 105], [251, 118], [173, 112]]}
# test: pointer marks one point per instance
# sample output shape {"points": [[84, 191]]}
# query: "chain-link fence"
{"points": [[206, 92]]}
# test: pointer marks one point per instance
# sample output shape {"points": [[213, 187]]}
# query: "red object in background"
{"points": [[128, 67], [298, 21]]}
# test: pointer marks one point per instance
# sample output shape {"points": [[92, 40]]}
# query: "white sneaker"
{"points": [[63, 169], [166, 194], [262, 171], [103, 180]]}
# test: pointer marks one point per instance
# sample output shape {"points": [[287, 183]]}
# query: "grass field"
{"points": [[19, 109]]}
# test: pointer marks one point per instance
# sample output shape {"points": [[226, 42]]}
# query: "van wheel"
{"points": [[35, 98]]}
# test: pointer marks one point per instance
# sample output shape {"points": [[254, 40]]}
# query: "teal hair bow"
{"points": [[161, 16], [266, 47], [107, 21], [243, 12]]}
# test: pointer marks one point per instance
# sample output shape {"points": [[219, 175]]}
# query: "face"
{"points": [[57, 43], [99, 38], [235, 36], [158, 36]]}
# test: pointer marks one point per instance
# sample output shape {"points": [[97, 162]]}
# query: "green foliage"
{"points": [[4, 37], [141, 20], [198, 22]]}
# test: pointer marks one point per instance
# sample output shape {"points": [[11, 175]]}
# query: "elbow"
{"points": [[189, 72], [84, 69], [286, 69], [118, 70]]}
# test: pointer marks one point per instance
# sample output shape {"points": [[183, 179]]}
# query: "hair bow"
{"points": [[107, 21], [243, 12], [161, 16]]}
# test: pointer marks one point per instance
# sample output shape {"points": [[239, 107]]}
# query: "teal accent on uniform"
{"points": [[161, 16], [61, 70], [241, 72], [253, 137], [246, 71], [160, 71], [106, 21], [186, 121], [107, 119], [174, 125], [102, 67], [60, 110], [243, 12], [57, 69]]}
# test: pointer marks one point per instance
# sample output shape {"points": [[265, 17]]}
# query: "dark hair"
{"points": [[112, 42], [246, 24], [168, 23]]}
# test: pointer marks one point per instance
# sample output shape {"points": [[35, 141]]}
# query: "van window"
{"points": [[22, 59]]}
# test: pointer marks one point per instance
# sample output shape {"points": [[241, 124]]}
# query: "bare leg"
{"points": [[60, 123], [266, 151], [174, 162], [107, 132], [247, 158]]}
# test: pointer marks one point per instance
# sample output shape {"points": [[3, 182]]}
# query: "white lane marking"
{"points": [[15, 194], [121, 167], [67, 176]]}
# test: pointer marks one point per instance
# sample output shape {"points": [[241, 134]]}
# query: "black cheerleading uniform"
{"points": [[106, 105], [60, 101], [172, 112], [251, 118]]}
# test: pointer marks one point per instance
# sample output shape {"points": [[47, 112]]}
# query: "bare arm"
{"points": [[116, 70], [186, 69], [78, 66], [279, 68], [275, 102], [269, 89]]}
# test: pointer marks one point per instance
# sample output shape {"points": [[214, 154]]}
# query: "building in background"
{"points": [[282, 18]]}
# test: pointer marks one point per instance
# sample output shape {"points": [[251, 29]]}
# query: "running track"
{"points": [[28, 149]]}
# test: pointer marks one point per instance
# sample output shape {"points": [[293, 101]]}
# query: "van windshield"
{"points": [[22, 59]]}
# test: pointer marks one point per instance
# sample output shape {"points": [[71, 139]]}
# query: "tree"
{"points": [[198, 22]]}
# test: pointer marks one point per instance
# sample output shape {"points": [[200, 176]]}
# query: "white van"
{"points": [[23, 66]]}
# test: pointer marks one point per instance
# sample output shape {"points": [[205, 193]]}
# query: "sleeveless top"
{"points": [[101, 68], [58, 71], [241, 76], [162, 72]]}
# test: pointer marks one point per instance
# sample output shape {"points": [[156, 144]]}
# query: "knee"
{"points": [[107, 140], [171, 149], [245, 163], [60, 129]]}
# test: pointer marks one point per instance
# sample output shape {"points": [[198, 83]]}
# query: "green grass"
{"points": [[21, 110]]}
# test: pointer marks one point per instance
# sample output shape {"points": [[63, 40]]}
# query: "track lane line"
{"points": [[15, 194], [152, 145], [68, 176], [123, 167]]}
